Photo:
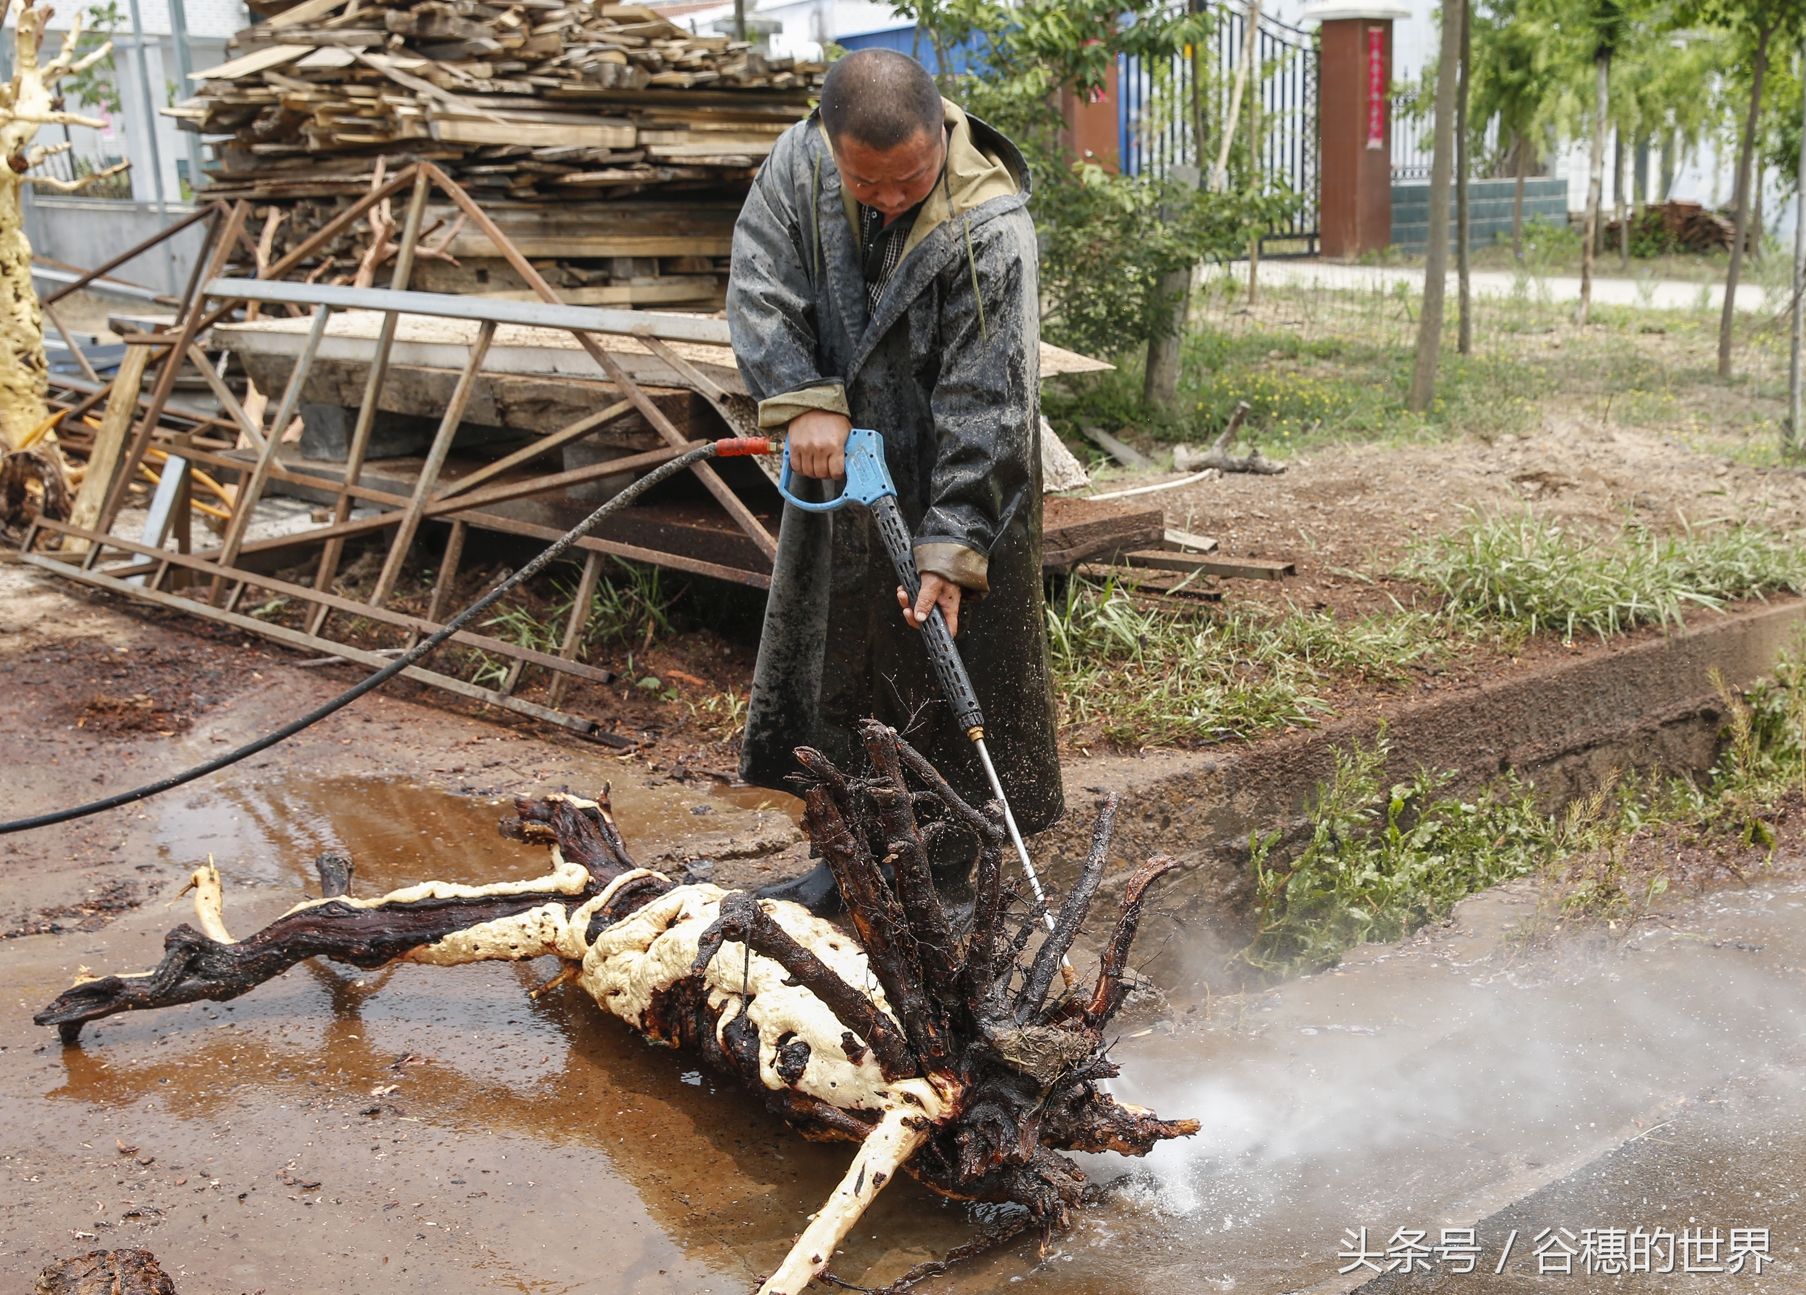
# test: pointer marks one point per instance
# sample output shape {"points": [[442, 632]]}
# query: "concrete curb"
{"points": [[1642, 704]]}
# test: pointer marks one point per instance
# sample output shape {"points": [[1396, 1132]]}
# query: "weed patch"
{"points": [[1379, 864], [1135, 675], [1530, 572]]}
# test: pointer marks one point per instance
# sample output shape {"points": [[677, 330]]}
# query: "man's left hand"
{"points": [[936, 591]]}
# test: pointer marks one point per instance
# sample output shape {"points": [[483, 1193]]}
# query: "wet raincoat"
{"points": [[947, 371]]}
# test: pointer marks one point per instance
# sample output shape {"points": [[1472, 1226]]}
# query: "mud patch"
{"points": [[88, 914], [120, 691]]}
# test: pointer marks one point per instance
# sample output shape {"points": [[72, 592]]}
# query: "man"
{"points": [[884, 276]]}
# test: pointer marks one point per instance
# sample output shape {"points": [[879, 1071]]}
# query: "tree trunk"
{"points": [[1639, 177], [1790, 431], [1436, 259], [1521, 147], [24, 374], [1464, 290], [1740, 199], [1619, 209], [1160, 383], [941, 1046], [1665, 183], [1589, 230], [1254, 139]]}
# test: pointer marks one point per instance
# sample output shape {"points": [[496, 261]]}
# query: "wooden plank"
{"points": [[1123, 453], [252, 63], [1228, 568], [109, 440], [1083, 530]]}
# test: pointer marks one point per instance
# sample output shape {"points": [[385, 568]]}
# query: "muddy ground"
{"points": [[408, 1129]]}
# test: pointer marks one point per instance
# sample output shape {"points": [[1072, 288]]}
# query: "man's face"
{"points": [[891, 180]]}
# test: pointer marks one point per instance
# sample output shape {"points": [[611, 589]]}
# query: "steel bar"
{"points": [[428, 479], [250, 490], [296, 638], [253, 434], [649, 410], [202, 564], [543, 445], [482, 310], [137, 249], [223, 236], [447, 579], [573, 632], [373, 384]]}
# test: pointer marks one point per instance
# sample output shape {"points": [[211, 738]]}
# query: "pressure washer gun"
{"points": [[868, 482]]}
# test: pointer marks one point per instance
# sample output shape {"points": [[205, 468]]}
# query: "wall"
{"points": [[87, 231], [1489, 210]]}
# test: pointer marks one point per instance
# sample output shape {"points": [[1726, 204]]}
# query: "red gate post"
{"points": [[1091, 127], [1354, 124]]}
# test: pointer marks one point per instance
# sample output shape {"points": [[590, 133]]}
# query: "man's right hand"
{"points": [[818, 443]]}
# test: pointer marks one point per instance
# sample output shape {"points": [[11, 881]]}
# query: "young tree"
{"points": [[1756, 25], [28, 102], [1520, 57], [1605, 27], [1436, 261], [1464, 294]]}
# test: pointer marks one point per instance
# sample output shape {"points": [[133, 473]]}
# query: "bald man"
{"points": [[884, 276]]}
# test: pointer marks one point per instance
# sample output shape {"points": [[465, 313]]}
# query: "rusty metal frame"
{"points": [[149, 571]]}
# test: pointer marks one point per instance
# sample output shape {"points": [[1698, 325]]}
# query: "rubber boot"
{"points": [[814, 890]]}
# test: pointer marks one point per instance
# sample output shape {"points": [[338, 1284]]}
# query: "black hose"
{"points": [[388, 672]]}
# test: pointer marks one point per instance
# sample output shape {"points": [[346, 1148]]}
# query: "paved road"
{"points": [[1658, 294]]}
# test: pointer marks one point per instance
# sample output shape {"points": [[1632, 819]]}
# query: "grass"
{"points": [[1534, 574], [629, 604], [1381, 862], [1134, 675], [1321, 365]]}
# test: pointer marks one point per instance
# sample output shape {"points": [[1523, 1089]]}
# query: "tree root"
{"points": [[931, 1040]]}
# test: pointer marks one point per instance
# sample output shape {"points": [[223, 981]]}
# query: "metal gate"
{"points": [[1169, 115]]}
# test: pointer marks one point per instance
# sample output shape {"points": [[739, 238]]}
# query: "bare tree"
{"points": [[27, 103]]}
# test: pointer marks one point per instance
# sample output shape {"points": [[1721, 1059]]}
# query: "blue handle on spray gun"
{"points": [[868, 482], [868, 476]]}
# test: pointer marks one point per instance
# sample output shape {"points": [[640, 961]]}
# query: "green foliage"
{"points": [[1529, 571], [629, 604], [1107, 238], [96, 86], [1138, 676], [1376, 868]]}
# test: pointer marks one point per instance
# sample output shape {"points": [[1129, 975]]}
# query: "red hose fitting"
{"points": [[729, 447]]}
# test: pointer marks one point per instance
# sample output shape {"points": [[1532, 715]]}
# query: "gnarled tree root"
{"points": [[931, 1039]]}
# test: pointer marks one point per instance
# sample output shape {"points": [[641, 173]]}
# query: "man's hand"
{"points": [[935, 590], [818, 443]]}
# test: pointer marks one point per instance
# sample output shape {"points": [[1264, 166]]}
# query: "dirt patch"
{"points": [[120, 689], [88, 914]]}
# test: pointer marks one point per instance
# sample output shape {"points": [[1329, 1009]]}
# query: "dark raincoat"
{"points": [[947, 371]]}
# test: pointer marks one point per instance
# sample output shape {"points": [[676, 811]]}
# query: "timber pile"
{"points": [[940, 1041], [590, 133], [1680, 227]]}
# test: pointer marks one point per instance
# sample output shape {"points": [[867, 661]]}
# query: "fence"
{"points": [[1170, 113]]}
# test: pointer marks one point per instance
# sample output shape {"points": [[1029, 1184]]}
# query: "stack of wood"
{"points": [[1679, 227], [591, 132]]}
